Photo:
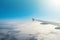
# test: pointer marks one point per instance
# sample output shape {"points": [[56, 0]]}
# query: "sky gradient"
{"points": [[27, 9], [17, 9]]}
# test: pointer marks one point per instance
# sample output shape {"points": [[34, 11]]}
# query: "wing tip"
{"points": [[33, 19]]}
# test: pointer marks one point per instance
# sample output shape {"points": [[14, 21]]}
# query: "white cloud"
{"points": [[46, 32]]}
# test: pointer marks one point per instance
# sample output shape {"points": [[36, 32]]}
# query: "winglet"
{"points": [[33, 19]]}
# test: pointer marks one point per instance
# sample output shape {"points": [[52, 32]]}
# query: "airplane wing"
{"points": [[47, 22]]}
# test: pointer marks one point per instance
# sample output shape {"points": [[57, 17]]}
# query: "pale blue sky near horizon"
{"points": [[27, 9]]}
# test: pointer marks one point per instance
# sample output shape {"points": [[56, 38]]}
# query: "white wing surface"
{"points": [[47, 22]]}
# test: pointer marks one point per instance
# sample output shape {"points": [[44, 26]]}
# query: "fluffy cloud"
{"points": [[30, 31]]}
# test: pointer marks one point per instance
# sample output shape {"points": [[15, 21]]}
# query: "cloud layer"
{"points": [[30, 31]]}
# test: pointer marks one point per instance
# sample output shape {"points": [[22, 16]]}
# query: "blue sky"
{"points": [[27, 9], [11, 9]]}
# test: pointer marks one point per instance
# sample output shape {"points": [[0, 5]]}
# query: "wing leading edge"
{"points": [[47, 22]]}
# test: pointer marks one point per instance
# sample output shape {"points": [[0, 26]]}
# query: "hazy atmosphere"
{"points": [[29, 19], [26, 9]]}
